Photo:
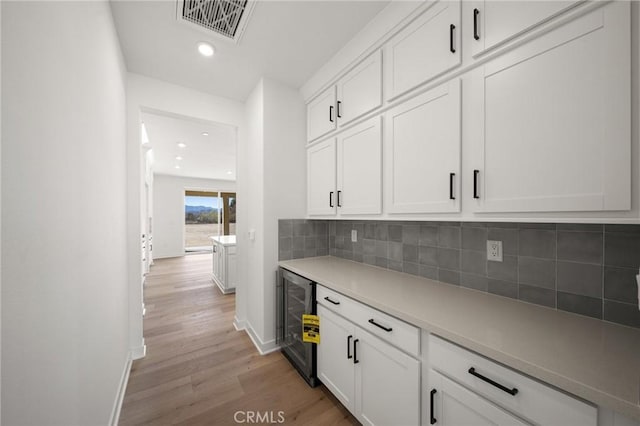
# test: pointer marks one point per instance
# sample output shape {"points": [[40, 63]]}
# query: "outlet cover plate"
{"points": [[354, 236], [494, 250]]}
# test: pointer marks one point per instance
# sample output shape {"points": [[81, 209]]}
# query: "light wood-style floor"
{"points": [[200, 371]]}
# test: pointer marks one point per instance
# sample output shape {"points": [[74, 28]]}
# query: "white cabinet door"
{"points": [[321, 178], [335, 356], [387, 383], [360, 91], [552, 120], [360, 169], [422, 145], [452, 405], [230, 282], [426, 48], [216, 260], [496, 22], [321, 114]]}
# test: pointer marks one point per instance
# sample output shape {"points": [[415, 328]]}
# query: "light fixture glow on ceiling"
{"points": [[182, 145], [205, 49], [229, 172], [178, 158], [205, 134], [176, 166]]}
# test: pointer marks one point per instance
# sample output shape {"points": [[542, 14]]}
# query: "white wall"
{"points": [[64, 294], [168, 205], [273, 175], [149, 94]]}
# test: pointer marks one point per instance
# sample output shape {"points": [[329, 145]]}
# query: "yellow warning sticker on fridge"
{"points": [[310, 328]]}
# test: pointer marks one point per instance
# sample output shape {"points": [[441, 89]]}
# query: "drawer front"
{"points": [[521, 395], [397, 332]]}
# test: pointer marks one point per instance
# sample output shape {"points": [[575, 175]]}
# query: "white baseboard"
{"points": [[239, 325], [139, 352], [262, 347], [122, 388]]}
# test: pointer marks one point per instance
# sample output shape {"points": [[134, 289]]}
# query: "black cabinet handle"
{"points": [[355, 351], [339, 205], [451, 176], [387, 329], [451, 46], [331, 199], [475, 183], [338, 109], [331, 113], [331, 301], [349, 337], [476, 12], [512, 391], [433, 418]]}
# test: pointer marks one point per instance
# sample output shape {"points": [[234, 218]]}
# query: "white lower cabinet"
{"points": [[224, 263], [374, 380], [453, 405]]}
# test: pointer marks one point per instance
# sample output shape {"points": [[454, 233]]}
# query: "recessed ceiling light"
{"points": [[176, 167], [205, 134], [182, 145], [178, 158], [205, 49], [229, 172]]}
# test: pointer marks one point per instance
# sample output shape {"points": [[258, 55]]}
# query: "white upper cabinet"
{"points": [[495, 22], [322, 114], [550, 120], [321, 178], [422, 153], [426, 48], [360, 169], [360, 91]]}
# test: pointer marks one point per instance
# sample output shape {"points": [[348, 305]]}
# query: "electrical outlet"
{"points": [[494, 251], [354, 236]]}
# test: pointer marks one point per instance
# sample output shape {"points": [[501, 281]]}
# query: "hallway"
{"points": [[200, 371]]}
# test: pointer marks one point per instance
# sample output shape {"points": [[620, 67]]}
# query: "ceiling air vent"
{"points": [[225, 18]]}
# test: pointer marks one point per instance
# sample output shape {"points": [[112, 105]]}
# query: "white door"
{"points": [[321, 178], [335, 356], [450, 404], [360, 169], [387, 383], [422, 145], [321, 114], [552, 120], [496, 22], [360, 91], [426, 48]]}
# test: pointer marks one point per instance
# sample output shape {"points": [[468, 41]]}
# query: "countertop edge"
{"points": [[555, 379]]}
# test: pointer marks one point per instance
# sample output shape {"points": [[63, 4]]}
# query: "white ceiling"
{"points": [[209, 157], [284, 40]]}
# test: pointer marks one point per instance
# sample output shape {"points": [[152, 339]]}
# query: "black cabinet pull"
{"points": [[331, 199], [433, 418], [475, 183], [473, 372], [349, 337], [331, 113], [476, 12], [387, 329], [451, 176], [339, 205], [331, 301], [355, 351], [451, 46], [338, 109]]}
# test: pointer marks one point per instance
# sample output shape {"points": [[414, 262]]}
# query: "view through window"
{"points": [[208, 214]]}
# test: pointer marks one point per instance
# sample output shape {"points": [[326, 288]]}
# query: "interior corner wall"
{"points": [[149, 94], [276, 159], [252, 177], [168, 205], [64, 281]]}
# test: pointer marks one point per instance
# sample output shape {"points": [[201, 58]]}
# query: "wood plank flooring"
{"points": [[200, 371]]}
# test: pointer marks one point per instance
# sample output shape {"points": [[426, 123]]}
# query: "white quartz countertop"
{"points": [[593, 359], [225, 240]]}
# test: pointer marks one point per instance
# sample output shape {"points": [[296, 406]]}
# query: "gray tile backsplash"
{"points": [[588, 269]]}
